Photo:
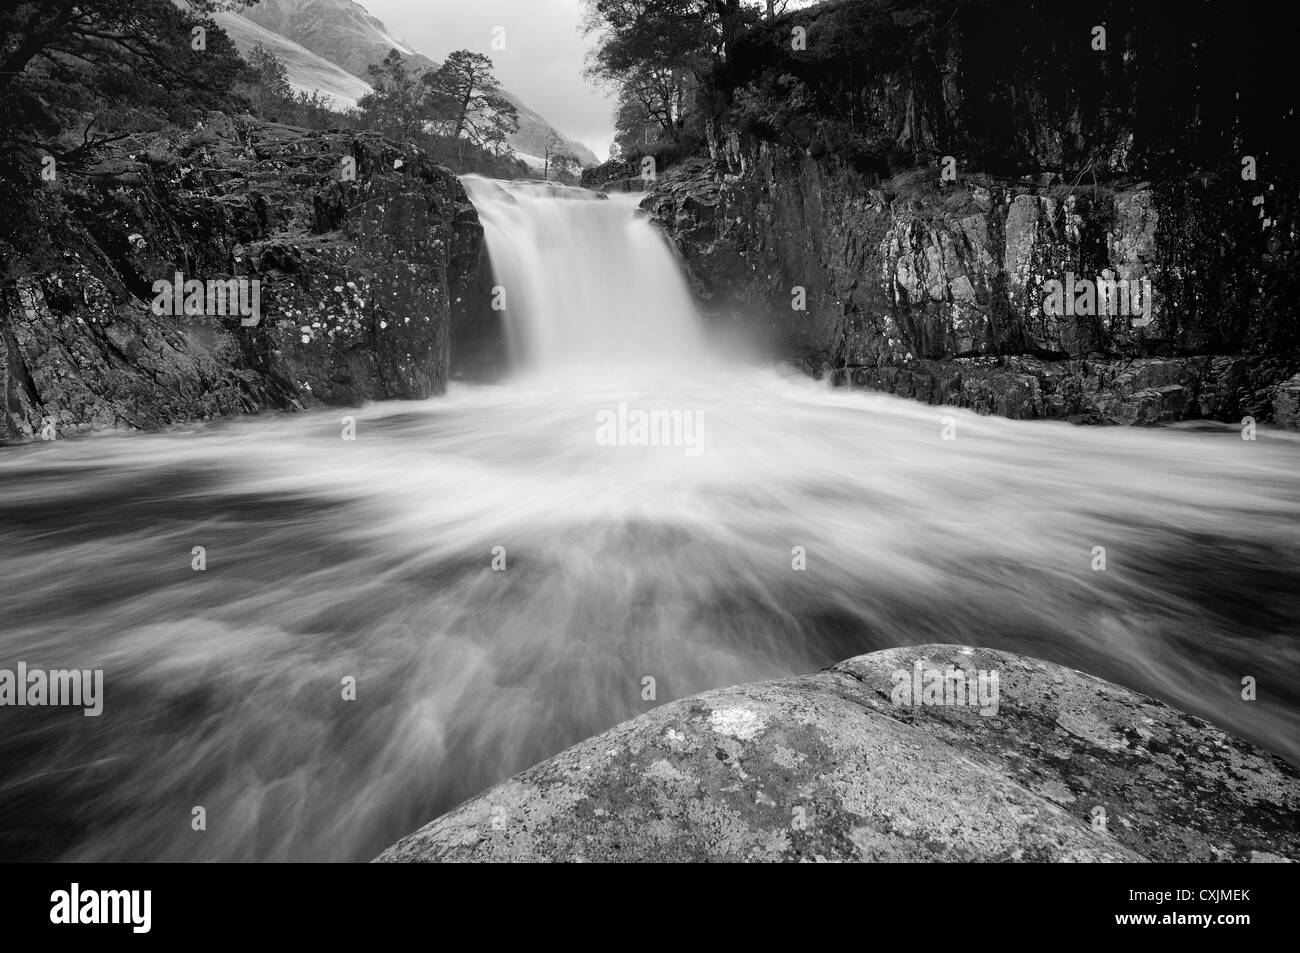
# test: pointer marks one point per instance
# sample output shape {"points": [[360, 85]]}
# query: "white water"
{"points": [[589, 283], [373, 558]]}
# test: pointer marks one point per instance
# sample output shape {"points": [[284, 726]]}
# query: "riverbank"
{"points": [[359, 253]]}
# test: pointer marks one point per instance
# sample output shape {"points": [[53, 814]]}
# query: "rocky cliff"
{"points": [[891, 191], [938, 293], [360, 252], [1036, 763]]}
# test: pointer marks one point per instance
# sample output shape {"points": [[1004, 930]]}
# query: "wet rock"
{"points": [[360, 279], [1045, 764], [615, 175], [1286, 404], [904, 271]]}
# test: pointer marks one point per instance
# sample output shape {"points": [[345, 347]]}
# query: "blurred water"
{"points": [[372, 558], [589, 282]]}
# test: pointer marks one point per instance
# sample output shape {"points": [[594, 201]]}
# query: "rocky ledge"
{"points": [[362, 250], [1046, 764], [936, 292]]}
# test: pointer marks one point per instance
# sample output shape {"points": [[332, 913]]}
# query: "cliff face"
{"points": [[925, 173], [358, 279], [1037, 762], [941, 292]]}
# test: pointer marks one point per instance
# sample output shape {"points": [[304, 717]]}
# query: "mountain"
{"points": [[343, 34], [307, 71], [341, 31]]}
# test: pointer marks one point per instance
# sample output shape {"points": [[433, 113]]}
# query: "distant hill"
{"points": [[328, 44]]}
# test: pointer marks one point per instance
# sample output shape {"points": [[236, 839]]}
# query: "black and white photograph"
{"points": [[650, 432]]}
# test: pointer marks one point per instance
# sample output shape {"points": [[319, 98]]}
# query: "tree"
{"points": [[108, 64], [456, 112], [316, 110], [563, 167], [636, 123], [270, 80], [777, 7], [690, 35], [659, 54], [398, 105], [466, 101]]}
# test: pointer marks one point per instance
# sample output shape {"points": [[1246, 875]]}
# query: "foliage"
{"points": [[456, 112], [398, 105], [266, 91], [269, 79], [1015, 87], [465, 101], [659, 56], [74, 73]]}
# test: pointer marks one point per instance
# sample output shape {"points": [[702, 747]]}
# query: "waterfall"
{"points": [[585, 280], [387, 625]]}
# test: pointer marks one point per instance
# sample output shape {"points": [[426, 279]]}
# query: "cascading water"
{"points": [[588, 283], [500, 575]]}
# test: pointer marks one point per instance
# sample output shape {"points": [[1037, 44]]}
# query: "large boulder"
{"points": [[1042, 763]]}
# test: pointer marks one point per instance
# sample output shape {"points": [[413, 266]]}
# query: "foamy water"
{"points": [[373, 558]]}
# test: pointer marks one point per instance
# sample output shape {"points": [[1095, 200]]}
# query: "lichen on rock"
{"points": [[905, 281], [835, 767], [359, 277]]}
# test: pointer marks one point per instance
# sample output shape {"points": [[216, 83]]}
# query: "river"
{"points": [[502, 569]]}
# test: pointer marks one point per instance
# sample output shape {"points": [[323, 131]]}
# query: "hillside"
{"points": [[344, 34], [307, 71]]}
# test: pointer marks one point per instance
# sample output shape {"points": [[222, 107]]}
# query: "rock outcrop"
{"points": [[615, 175], [362, 251], [890, 190], [938, 292], [1045, 764]]}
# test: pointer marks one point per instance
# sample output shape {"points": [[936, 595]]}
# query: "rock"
{"points": [[1052, 765], [903, 270], [360, 279], [1286, 404], [614, 175]]}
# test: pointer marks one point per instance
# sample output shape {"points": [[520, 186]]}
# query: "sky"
{"points": [[541, 63]]}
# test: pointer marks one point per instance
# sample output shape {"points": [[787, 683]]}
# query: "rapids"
{"points": [[374, 559]]}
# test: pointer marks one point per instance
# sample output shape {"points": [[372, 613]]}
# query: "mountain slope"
{"points": [[307, 71], [345, 34], [341, 31]]}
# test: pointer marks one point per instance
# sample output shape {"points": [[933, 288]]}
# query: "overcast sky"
{"points": [[541, 63]]}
